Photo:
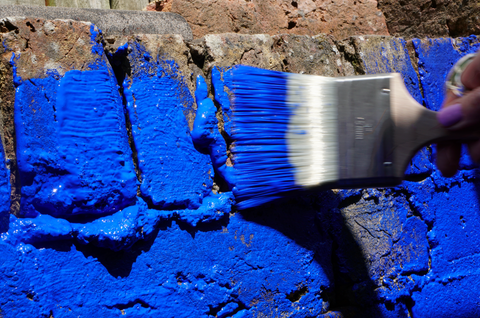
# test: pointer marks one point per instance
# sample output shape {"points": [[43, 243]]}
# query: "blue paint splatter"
{"points": [[156, 98]]}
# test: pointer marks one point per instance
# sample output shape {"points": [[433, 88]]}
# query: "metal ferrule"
{"points": [[365, 130]]}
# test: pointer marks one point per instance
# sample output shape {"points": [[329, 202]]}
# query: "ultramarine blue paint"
{"points": [[419, 242], [241, 270], [16, 79], [97, 47], [115, 232], [4, 192], [72, 147], [156, 98], [436, 57], [206, 135]]}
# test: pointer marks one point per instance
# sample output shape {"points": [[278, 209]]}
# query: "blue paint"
{"points": [[95, 41], [115, 232], [436, 58], [4, 192], [206, 136], [418, 243], [156, 97], [72, 147], [16, 79]]}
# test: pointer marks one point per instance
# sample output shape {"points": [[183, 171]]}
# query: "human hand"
{"points": [[460, 113]]}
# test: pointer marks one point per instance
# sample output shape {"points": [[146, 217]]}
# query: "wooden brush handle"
{"points": [[416, 126]]}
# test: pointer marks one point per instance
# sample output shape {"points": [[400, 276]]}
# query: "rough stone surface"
{"points": [[28, 38], [338, 18], [432, 18], [111, 22], [317, 55], [159, 103]]}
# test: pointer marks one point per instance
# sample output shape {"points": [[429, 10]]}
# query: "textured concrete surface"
{"points": [[92, 4], [109, 21], [184, 251]]}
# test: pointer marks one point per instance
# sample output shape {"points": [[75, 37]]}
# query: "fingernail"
{"points": [[450, 115]]}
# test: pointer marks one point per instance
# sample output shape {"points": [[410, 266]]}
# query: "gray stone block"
{"points": [[90, 4], [23, 2], [111, 22]]}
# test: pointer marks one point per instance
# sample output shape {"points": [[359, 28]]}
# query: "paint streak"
{"points": [[72, 147], [4, 192], [174, 173], [206, 136]]}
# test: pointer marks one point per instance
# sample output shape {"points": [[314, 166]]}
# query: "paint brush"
{"points": [[293, 132]]}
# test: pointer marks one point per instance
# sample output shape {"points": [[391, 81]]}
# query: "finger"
{"points": [[471, 75], [474, 150], [449, 99], [463, 113], [448, 157]]}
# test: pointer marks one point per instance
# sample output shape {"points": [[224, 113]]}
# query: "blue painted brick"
{"points": [[173, 172], [72, 147]]}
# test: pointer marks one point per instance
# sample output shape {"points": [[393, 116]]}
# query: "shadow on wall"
{"points": [[313, 221]]}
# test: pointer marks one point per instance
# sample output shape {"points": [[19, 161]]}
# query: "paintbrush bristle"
{"points": [[285, 133]]}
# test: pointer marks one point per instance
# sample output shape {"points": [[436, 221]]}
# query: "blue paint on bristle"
{"points": [[260, 122]]}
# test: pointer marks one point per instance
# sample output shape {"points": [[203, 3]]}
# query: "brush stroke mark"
{"points": [[72, 148], [174, 174], [436, 58], [4, 192]]}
